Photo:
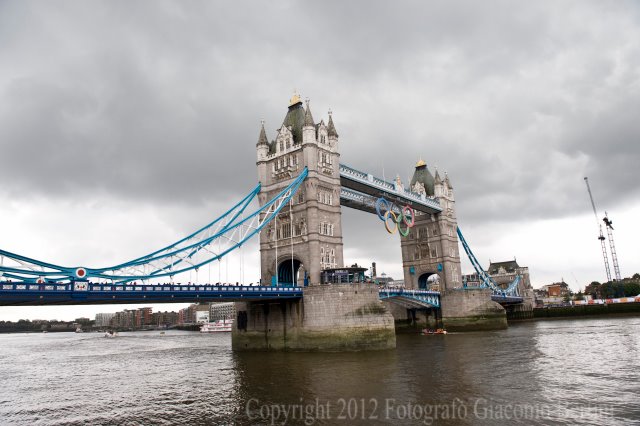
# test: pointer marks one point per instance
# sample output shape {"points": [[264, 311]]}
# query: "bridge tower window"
{"points": [[325, 228], [325, 197]]}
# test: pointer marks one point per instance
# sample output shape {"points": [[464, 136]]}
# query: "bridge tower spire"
{"points": [[308, 237]]}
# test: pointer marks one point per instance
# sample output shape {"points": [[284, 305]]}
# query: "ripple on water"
{"points": [[563, 366]]}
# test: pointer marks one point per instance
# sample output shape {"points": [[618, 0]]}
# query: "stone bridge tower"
{"points": [[307, 235], [430, 255]]}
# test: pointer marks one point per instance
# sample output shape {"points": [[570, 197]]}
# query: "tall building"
{"points": [[312, 229], [165, 318], [104, 319], [202, 313], [124, 319], [222, 311], [144, 317], [187, 315]]}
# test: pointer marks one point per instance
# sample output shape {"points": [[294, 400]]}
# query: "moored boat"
{"points": [[428, 331], [217, 326]]}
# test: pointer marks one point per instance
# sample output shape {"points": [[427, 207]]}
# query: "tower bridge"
{"points": [[302, 188]]}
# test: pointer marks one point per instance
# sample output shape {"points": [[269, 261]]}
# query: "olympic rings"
{"points": [[394, 221], [407, 215], [379, 202], [412, 215], [401, 219]]}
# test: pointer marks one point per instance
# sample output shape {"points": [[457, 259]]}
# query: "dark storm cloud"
{"points": [[162, 101]]}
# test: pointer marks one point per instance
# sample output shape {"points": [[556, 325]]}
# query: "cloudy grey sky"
{"points": [[124, 125]]}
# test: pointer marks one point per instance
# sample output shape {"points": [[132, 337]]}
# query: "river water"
{"points": [[551, 372]]}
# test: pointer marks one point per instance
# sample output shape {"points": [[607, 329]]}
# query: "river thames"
{"points": [[547, 372]]}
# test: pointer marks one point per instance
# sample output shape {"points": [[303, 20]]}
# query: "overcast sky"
{"points": [[125, 125]]}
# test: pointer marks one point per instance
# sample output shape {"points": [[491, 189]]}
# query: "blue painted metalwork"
{"points": [[83, 292], [487, 281], [421, 298], [506, 300], [229, 232]]}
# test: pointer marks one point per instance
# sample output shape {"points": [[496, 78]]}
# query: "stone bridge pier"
{"points": [[335, 317]]}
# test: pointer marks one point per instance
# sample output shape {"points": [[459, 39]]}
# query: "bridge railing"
{"points": [[410, 291], [145, 288]]}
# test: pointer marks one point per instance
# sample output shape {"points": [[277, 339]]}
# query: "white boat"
{"points": [[217, 326], [110, 334]]}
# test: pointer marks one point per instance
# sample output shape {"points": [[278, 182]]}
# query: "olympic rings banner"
{"points": [[392, 220]]}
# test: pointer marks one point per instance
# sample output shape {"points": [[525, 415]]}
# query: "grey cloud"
{"points": [[161, 102]]}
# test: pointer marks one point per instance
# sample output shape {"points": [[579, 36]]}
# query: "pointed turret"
{"points": [[437, 178], [331, 127], [438, 185], [447, 181], [308, 118], [308, 127], [262, 139], [262, 147]]}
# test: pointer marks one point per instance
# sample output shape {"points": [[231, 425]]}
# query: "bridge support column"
{"points": [[328, 318], [412, 320], [470, 310]]}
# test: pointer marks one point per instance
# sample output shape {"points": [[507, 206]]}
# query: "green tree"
{"points": [[594, 289], [631, 289]]}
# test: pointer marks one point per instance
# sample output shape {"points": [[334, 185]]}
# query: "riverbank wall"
{"points": [[587, 310]]}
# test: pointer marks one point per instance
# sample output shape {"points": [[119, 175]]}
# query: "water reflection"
{"points": [[567, 370]]}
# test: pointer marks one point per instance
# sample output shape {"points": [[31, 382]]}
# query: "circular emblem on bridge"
{"points": [[392, 220], [81, 273]]}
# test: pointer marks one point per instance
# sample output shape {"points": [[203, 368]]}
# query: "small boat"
{"points": [[217, 326], [110, 334], [428, 331], [79, 330]]}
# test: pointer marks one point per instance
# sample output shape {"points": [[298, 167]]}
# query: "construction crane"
{"points": [[614, 257], [600, 237]]}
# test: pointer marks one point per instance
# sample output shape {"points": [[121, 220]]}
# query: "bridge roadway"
{"points": [[81, 293], [12, 294], [84, 293]]}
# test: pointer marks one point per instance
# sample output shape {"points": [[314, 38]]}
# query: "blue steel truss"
{"points": [[208, 244], [411, 298], [486, 280]]}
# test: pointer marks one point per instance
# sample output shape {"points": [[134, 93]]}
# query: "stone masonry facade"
{"points": [[311, 229]]}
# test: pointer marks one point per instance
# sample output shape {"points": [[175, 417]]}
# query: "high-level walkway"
{"points": [[360, 191]]}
